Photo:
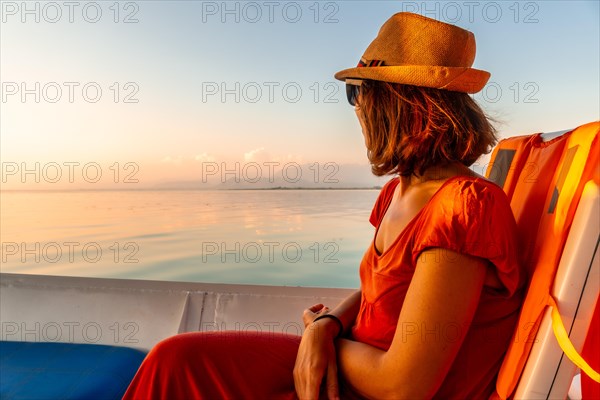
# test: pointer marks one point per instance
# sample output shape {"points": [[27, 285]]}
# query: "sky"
{"points": [[139, 94]]}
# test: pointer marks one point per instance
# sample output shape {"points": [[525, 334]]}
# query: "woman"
{"points": [[441, 282]]}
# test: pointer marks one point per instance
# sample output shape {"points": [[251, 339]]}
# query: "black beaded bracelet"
{"points": [[336, 319]]}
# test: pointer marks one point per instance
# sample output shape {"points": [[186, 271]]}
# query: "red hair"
{"points": [[412, 128]]}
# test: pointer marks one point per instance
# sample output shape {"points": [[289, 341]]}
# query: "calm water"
{"points": [[295, 237]]}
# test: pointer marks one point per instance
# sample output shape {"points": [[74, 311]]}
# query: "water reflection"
{"points": [[295, 237]]}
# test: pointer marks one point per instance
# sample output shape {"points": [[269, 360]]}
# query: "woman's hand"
{"points": [[309, 314], [316, 357]]}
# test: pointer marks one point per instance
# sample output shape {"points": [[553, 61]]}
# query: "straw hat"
{"points": [[416, 50]]}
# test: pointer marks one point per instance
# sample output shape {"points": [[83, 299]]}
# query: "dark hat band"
{"points": [[369, 63]]}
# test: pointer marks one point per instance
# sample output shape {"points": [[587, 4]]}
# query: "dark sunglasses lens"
{"points": [[352, 93]]}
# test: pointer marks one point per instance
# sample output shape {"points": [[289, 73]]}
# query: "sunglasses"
{"points": [[352, 90]]}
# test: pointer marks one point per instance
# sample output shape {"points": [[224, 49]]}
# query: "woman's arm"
{"points": [[316, 355], [444, 292]]}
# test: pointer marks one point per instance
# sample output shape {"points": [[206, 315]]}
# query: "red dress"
{"points": [[466, 215], [469, 216]]}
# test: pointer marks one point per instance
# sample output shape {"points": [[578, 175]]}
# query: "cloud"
{"points": [[204, 157], [172, 160], [257, 155], [260, 155]]}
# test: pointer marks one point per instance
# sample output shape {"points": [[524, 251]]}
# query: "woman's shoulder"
{"points": [[476, 183], [474, 190], [470, 204], [472, 216]]}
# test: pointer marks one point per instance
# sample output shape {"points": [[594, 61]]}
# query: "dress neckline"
{"points": [[416, 216]]}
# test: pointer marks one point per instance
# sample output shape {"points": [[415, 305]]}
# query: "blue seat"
{"points": [[31, 370]]}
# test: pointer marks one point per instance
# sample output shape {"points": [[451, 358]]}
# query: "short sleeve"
{"points": [[383, 201], [473, 217]]}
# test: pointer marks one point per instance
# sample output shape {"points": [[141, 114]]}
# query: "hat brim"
{"points": [[459, 79]]}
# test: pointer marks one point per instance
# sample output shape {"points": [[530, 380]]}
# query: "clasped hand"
{"points": [[316, 357]]}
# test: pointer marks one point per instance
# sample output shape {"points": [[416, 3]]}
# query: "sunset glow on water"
{"points": [[281, 237]]}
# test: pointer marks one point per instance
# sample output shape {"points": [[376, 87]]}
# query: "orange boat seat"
{"points": [[552, 181]]}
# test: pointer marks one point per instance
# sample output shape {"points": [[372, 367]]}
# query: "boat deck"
{"points": [[138, 313]]}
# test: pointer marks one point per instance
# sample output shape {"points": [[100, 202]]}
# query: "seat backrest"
{"points": [[544, 180]]}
